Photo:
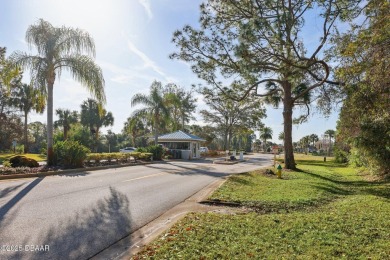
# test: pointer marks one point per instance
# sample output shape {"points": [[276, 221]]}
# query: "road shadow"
{"points": [[200, 168], [75, 174], [4, 192], [88, 233], [12, 202]]}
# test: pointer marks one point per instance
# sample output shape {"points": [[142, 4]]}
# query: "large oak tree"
{"points": [[243, 46]]}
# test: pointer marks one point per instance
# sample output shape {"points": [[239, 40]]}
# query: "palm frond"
{"points": [[143, 112], [36, 65], [74, 41], [39, 34], [141, 99], [87, 72]]}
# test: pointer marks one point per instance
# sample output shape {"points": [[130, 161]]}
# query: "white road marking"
{"points": [[148, 176]]}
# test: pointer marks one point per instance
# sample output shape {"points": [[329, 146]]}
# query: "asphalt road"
{"points": [[76, 216]]}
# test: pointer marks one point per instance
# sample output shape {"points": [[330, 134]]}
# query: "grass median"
{"points": [[325, 210]]}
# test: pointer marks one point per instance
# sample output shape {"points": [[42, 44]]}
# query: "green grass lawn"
{"points": [[323, 211], [7, 156]]}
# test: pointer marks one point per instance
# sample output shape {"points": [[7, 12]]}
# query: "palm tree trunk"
{"points": [[155, 133], [65, 133], [96, 139], [287, 120], [50, 151], [25, 133]]}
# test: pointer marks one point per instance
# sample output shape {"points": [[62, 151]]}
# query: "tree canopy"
{"points": [[59, 49], [244, 46]]}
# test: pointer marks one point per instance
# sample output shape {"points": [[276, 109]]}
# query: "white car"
{"points": [[203, 149], [127, 150]]}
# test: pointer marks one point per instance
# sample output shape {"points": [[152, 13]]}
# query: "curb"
{"points": [[70, 171]]}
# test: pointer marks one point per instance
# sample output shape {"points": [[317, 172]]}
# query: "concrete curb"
{"points": [[70, 171]]}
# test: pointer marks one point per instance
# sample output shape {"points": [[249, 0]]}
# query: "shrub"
{"points": [[146, 156], [96, 157], [341, 156], [135, 155], [23, 161], [70, 154], [7, 164], [157, 151], [141, 150]]}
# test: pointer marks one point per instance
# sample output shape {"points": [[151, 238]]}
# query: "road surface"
{"points": [[75, 216]]}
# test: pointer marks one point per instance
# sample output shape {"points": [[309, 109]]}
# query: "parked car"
{"points": [[127, 150], [203, 149]]}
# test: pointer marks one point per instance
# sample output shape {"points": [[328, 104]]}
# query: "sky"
{"points": [[133, 42]]}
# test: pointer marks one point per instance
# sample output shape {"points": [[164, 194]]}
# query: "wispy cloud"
{"points": [[149, 63], [146, 4]]}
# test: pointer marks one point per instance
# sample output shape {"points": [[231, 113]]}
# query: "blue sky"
{"points": [[133, 41]]}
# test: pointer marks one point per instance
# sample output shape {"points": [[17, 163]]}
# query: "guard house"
{"points": [[187, 144]]}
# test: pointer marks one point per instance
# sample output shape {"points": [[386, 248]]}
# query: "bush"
{"points": [[141, 150], [7, 164], [157, 151], [341, 156], [23, 161], [135, 155], [70, 154], [146, 156]]}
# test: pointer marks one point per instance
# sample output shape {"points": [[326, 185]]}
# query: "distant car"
{"points": [[203, 149], [127, 150]]}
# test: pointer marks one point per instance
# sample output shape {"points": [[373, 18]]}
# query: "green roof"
{"points": [[179, 136]]}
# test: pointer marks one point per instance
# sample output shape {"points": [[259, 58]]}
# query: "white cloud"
{"points": [[149, 63], [146, 5]]}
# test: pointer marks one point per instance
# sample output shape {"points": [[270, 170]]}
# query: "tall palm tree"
{"points": [[265, 133], [331, 133], [135, 127], [155, 107], [66, 119], [60, 48], [314, 138], [95, 117], [27, 98]]}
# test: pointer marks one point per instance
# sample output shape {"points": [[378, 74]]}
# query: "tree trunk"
{"points": [[225, 141], [50, 151], [229, 140], [65, 133], [96, 140], [287, 120], [155, 133], [25, 133]]}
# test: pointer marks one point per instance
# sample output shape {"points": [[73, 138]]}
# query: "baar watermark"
{"points": [[24, 248]]}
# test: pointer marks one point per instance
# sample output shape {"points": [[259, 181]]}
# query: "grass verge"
{"points": [[337, 214]]}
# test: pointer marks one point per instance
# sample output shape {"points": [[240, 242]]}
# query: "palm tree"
{"points": [[155, 107], [181, 103], [314, 138], [60, 48], [135, 127], [95, 117], [331, 133], [305, 142], [27, 98], [66, 119], [265, 133]]}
